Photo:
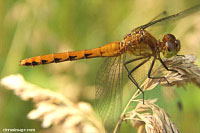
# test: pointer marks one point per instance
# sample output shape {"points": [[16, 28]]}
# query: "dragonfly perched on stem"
{"points": [[139, 45]]}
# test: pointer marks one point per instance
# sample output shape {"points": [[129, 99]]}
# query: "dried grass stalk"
{"points": [[53, 109], [150, 118], [188, 72], [158, 121]]}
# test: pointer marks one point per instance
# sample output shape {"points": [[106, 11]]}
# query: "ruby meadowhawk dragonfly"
{"points": [[139, 44]]}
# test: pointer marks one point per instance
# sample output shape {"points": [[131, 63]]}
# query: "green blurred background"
{"points": [[37, 27]]}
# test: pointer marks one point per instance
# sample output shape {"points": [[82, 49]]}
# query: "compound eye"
{"points": [[177, 42], [170, 46], [168, 37], [171, 37]]}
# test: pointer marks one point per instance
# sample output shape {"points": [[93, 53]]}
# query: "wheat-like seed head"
{"points": [[53, 109], [188, 72], [150, 118]]}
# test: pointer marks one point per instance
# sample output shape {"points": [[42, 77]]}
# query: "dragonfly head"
{"points": [[171, 45]]}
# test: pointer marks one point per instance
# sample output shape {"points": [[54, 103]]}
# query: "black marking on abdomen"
{"points": [[28, 64], [34, 63], [86, 55], [56, 60], [72, 57], [44, 61]]}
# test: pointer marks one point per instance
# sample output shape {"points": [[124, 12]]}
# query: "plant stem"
{"points": [[136, 94]]}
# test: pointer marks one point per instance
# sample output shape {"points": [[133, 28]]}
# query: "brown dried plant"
{"points": [[53, 109], [158, 121], [151, 118], [188, 72]]}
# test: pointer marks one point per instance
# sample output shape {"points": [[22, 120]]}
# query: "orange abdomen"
{"points": [[111, 49]]}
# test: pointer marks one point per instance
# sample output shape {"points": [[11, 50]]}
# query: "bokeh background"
{"points": [[37, 27]]}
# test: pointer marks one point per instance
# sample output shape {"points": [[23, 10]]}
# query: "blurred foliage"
{"points": [[37, 27]]}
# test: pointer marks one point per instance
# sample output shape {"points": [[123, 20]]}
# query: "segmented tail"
{"points": [[111, 49]]}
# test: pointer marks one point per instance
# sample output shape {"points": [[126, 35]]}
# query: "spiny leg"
{"points": [[166, 66], [151, 67], [131, 71], [180, 55]]}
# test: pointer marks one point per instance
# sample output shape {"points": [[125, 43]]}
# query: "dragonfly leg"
{"points": [[130, 61], [151, 67], [166, 66], [132, 70], [180, 55]]}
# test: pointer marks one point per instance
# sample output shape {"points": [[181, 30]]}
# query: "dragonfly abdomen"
{"points": [[111, 49]]}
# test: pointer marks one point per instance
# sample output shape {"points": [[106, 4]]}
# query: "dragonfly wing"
{"points": [[173, 17], [109, 90], [162, 24]]}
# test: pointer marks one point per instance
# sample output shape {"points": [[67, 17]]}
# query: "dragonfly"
{"points": [[139, 45]]}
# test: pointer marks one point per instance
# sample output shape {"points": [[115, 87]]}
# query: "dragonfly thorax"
{"points": [[140, 43], [170, 45]]}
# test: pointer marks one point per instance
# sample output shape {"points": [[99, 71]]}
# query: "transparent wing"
{"points": [[109, 90], [173, 17], [163, 24], [112, 84]]}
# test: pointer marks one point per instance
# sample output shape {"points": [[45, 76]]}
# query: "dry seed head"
{"points": [[152, 121], [54, 109], [188, 72]]}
